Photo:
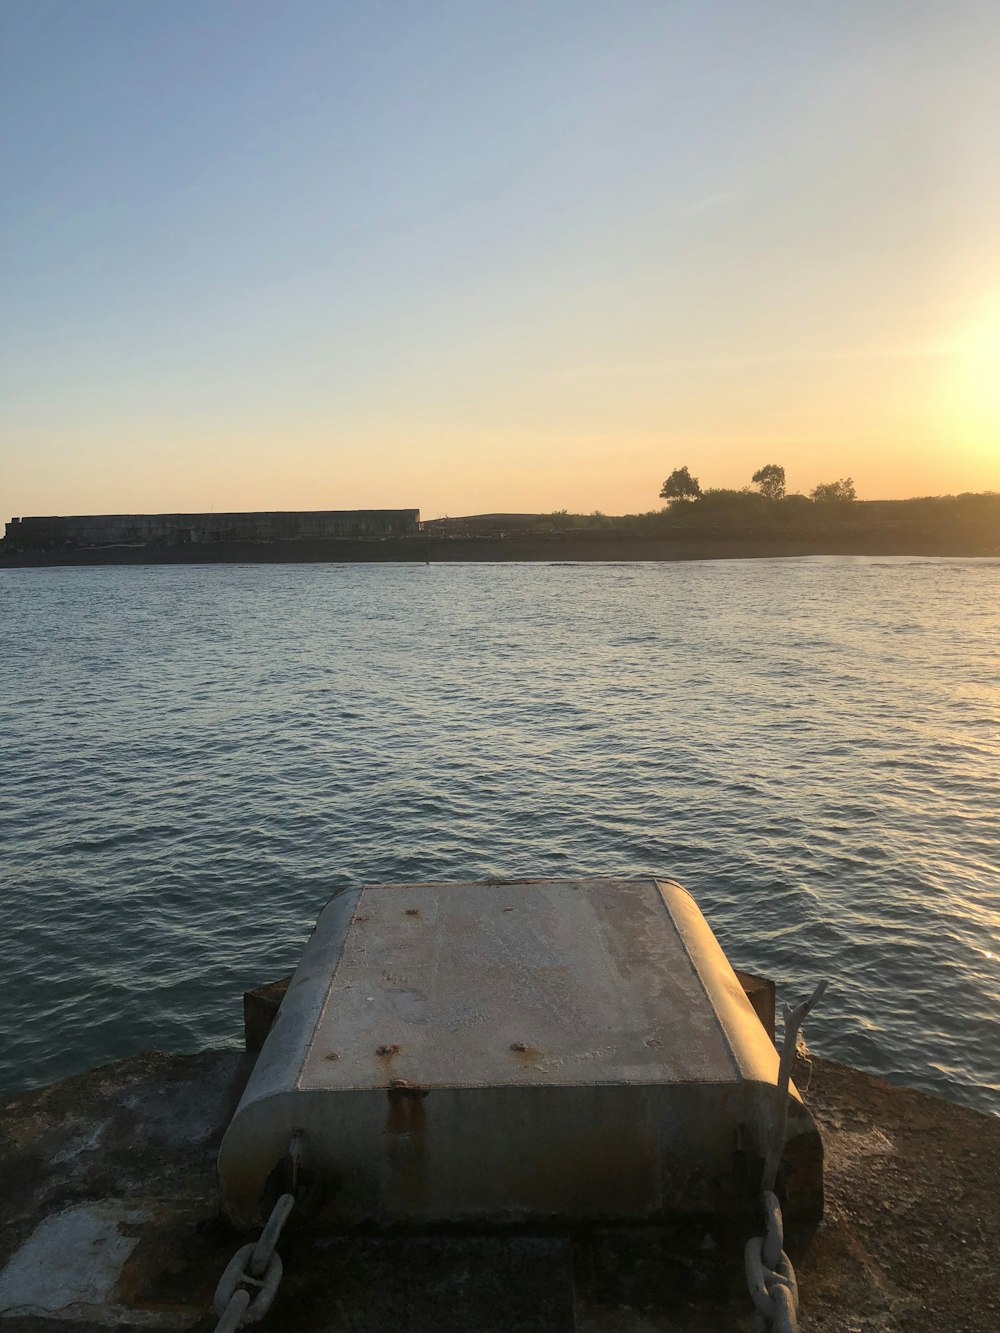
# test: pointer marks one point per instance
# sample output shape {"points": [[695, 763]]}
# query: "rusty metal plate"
{"points": [[508, 1049], [484, 985]]}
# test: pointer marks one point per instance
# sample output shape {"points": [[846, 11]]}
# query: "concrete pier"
{"points": [[109, 1217]]}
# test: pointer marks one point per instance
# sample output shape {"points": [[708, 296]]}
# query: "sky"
{"points": [[471, 256]]}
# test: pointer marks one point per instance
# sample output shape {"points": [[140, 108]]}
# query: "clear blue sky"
{"points": [[494, 255]]}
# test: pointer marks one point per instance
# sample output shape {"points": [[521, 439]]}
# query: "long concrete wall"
{"points": [[46, 533]]}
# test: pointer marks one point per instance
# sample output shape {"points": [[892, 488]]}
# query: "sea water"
{"points": [[195, 757]]}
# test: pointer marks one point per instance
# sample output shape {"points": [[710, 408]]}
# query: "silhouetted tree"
{"points": [[680, 485], [770, 481], [842, 490]]}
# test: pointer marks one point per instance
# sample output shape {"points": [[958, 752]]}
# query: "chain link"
{"points": [[263, 1251], [771, 1280], [251, 1279], [770, 1276], [232, 1315]]}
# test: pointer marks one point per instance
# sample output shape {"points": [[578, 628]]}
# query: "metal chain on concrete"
{"points": [[251, 1279], [770, 1275]]}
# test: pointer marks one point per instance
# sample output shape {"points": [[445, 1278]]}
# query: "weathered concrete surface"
{"points": [[97, 530], [911, 1242], [138, 1134], [73, 1259], [913, 1211]]}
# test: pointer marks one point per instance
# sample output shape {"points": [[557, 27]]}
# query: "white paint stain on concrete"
{"points": [[89, 1141], [72, 1259]]}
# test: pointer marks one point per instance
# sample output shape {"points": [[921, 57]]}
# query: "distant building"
{"points": [[176, 529]]}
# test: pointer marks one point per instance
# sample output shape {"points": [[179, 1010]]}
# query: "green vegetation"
{"points": [[831, 516], [764, 511], [770, 481], [837, 492], [680, 485]]}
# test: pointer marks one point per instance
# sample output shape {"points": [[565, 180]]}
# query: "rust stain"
{"points": [[406, 1109], [406, 1128], [387, 1053], [163, 1276], [527, 1055]]}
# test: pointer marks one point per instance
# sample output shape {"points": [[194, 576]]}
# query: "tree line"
{"points": [[968, 522], [769, 481]]}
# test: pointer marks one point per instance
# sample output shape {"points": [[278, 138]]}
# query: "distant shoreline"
{"points": [[515, 548]]}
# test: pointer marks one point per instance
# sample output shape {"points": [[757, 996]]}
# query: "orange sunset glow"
{"points": [[470, 263]]}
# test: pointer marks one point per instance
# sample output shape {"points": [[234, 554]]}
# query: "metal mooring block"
{"points": [[514, 1051]]}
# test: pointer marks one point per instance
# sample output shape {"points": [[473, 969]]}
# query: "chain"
{"points": [[251, 1279], [770, 1275]]}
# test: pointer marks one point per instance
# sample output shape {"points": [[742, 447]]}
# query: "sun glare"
{"points": [[973, 393]]}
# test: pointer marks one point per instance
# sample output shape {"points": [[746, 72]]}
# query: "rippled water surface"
{"points": [[195, 758]]}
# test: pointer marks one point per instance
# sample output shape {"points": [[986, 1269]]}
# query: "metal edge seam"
{"points": [[733, 1013]]}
